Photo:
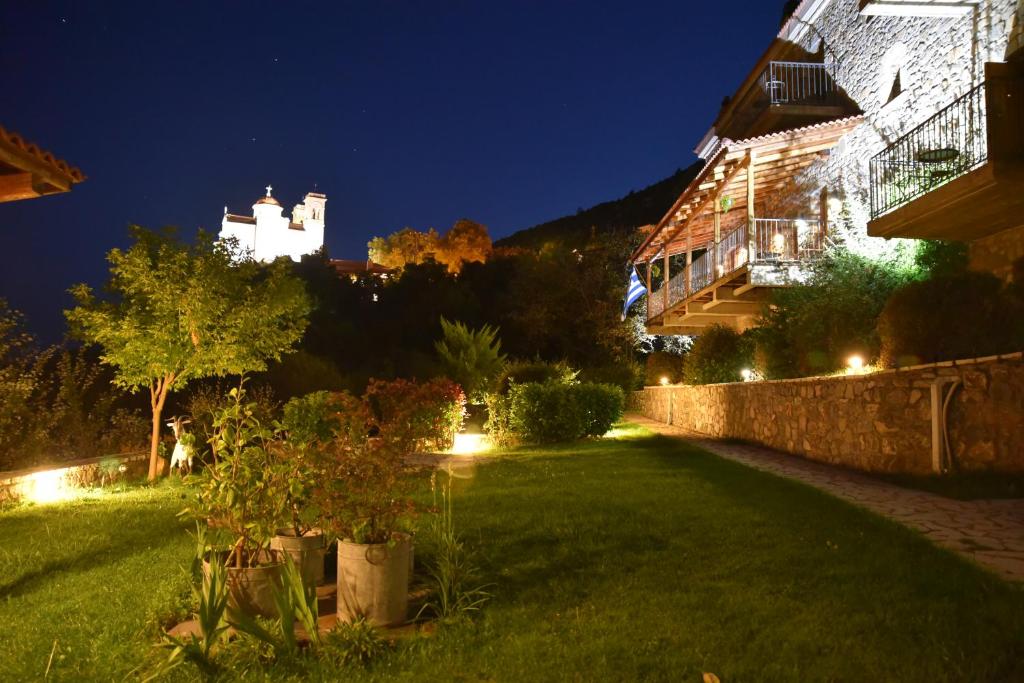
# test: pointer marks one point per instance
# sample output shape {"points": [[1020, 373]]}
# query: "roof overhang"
{"points": [[917, 8], [26, 171], [775, 159]]}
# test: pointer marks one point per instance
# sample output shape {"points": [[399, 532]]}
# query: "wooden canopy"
{"points": [[747, 172], [26, 171]]}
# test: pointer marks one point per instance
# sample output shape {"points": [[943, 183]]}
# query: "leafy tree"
{"points": [[467, 241], [183, 311], [405, 247], [19, 377], [471, 357], [937, 258]]}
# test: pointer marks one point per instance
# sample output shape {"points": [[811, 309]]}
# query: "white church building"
{"points": [[267, 235]]}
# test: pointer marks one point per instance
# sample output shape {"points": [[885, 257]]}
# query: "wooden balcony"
{"points": [[717, 252], [960, 174], [727, 282]]}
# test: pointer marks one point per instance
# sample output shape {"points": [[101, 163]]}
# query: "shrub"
{"points": [[555, 412], [719, 355], [627, 374], [470, 357], [425, 415], [813, 328], [537, 371], [949, 318], [936, 258], [663, 364]]}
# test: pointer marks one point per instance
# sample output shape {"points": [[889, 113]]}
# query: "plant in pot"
{"points": [[307, 423], [242, 499], [363, 494]]}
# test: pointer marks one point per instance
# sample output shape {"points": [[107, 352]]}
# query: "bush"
{"points": [[719, 355], [627, 374], [470, 357], [813, 328], [426, 415], [536, 372], [936, 258], [950, 318], [555, 412], [663, 364]]}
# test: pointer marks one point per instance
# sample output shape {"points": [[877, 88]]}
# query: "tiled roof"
{"points": [[13, 139], [347, 266]]}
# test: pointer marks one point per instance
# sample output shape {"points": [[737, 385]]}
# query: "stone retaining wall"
{"points": [[18, 484], [875, 422]]}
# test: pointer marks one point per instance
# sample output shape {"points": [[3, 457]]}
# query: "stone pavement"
{"points": [[990, 532]]}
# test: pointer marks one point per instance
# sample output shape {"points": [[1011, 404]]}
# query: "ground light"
{"points": [[663, 381], [855, 365], [747, 375], [50, 486], [469, 444]]}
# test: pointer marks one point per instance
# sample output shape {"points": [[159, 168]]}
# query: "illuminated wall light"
{"points": [[47, 487], [855, 365], [663, 381], [747, 375]]}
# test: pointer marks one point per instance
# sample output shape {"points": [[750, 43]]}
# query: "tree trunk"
{"points": [[158, 395]]}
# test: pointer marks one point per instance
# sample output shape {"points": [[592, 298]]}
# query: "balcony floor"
{"points": [[985, 201], [734, 300]]}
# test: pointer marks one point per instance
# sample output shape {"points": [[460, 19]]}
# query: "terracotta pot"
{"points": [[373, 581], [251, 589], [307, 553]]}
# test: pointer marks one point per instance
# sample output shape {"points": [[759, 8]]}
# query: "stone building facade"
{"points": [[900, 71]]}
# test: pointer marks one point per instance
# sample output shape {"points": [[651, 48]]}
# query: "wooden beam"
{"points": [[751, 178], [16, 186]]}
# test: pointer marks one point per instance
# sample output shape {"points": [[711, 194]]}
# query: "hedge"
{"points": [[553, 412]]}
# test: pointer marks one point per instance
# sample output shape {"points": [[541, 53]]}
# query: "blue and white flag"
{"points": [[634, 291]]}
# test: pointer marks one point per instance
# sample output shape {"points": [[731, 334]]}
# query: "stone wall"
{"points": [[997, 253], [938, 59], [876, 422]]}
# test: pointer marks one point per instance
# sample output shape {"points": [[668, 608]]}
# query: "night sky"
{"points": [[403, 113]]}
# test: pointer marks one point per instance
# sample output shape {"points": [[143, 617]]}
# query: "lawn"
{"points": [[633, 558]]}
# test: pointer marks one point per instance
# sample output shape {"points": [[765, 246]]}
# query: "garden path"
{"points": [[989, 532]]}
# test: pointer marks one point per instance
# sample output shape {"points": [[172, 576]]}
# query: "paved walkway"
{"points": [[990, 532]]}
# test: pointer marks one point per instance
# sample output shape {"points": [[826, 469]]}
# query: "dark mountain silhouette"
{"points": [[637, 208]]}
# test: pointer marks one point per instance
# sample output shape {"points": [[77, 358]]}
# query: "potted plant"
{"points": [[306, 425], [363, 496], [241, 498]]}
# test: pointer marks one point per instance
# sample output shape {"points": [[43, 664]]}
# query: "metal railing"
{"points": [[776, 240], [799, 83], [950, 144]]}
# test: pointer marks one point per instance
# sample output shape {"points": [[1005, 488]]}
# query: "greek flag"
{"points": [[634, 291]]}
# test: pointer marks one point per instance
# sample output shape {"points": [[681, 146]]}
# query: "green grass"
{"points": [[637, 558]]}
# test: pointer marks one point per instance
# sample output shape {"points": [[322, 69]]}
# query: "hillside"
{"points": [[637, 208]]}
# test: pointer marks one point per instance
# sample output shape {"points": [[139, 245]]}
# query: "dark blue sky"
{"points": [[403, 113]]}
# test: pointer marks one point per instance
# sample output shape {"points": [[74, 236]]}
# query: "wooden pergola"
{"points": [[26, 171], [720, 220]]}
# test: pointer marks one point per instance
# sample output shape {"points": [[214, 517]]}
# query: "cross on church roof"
{"points": [[269, 188]]}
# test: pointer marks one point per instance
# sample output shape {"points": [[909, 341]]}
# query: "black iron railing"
{"points": [[799, 83], [950, 144]]}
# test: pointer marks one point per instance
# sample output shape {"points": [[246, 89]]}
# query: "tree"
{"points": [[183, 311], [19, 378], [407, 246], [467, 241], [473, 358]]}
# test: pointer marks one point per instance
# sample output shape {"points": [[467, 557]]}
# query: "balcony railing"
{"points": [[950, 144], [776, 241], [799, 83]]}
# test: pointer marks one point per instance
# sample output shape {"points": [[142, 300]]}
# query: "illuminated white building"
{"points": [[267, 235]]}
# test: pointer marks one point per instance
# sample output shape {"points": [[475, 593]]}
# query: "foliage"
{"points": [[472, 358], [302, 372], [418, 415], [661, 364], [181, 311], [242, 494], [466, 241], [211, 616], [718, 355], [554, 412], [295, 602], [363, 484], [977, 317], [936, 258], [536, 371], [356, 642], [628, 374], [813, 328], [449, 565]]}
